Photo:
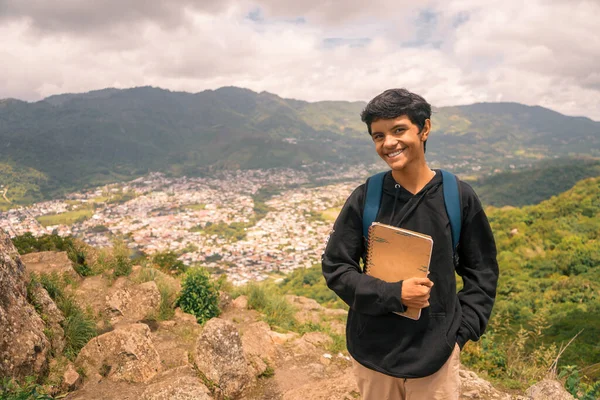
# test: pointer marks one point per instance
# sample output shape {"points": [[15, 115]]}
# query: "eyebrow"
{"points": [[404, 126]]}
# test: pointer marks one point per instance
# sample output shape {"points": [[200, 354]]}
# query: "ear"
{"points": [[425, 131]]}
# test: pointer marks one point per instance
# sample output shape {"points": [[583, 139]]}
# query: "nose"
{"points": [[390, 141]]}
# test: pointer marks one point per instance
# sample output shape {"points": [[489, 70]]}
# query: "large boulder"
{"points": [[23, 345], [133, 303], [49, 262], [548, 390], [475, 388], [125, 354], [220, 357], [259, 347], [91, 293], [177, 384]]}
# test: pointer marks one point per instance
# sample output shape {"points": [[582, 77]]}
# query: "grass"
{"points": [[277, 312], [66, 218], [78, 326], [280, 314], [146, 275], [195, 207], [168, 293], [331, 214], [166, 308]]}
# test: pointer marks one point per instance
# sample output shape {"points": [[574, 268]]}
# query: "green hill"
{"points": [[549, 255], [535, 184], [73, 141]]}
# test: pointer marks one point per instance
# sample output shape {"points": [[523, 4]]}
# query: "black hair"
{"points": [[394, 103]]}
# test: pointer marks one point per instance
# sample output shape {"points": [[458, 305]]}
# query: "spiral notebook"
{"points": [[395, 254]]}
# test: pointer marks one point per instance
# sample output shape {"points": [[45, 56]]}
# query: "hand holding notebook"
{"points": [[415, 292], [396, 254]]}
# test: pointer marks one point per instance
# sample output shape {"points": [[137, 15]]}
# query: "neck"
{"points": [[414, 177]]}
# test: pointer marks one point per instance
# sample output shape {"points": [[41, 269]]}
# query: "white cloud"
{"points": [[455, 52]]}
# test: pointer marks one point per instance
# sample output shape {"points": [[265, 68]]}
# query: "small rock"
{"points": [[181, 316], [167, 324], [317, 338], [224, 300], [71, 380], [281, 338], [241, 302]]}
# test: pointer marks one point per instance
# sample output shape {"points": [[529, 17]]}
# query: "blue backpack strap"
{"points": [[373, 200], [452, 201]]}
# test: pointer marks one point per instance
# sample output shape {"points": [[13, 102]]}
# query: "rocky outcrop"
{"points": [[133, 303], [23, 345], [259, 347], [125, 354], [548, 390], [219, 356], [473, 387], [49, 262], [52, 317], [122, 302], [178, 384]]}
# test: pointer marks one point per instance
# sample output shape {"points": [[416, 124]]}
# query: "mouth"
{"points": [[395, 153]]}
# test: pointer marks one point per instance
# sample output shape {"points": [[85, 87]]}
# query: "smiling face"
{"points": [[399, 142]]}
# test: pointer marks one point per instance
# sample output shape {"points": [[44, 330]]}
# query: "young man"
{"points": [[396, 357]]}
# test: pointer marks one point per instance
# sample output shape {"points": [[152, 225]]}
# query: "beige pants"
{"points": [[442, 385]]}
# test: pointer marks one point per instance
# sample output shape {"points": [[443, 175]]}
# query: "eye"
{"points": [[399, 130], [377, 137]]}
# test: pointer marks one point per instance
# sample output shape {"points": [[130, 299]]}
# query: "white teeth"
{"points": [[395, 153]]}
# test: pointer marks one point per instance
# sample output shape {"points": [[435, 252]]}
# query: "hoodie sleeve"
{"points": [[477, 267], [341, 268]]}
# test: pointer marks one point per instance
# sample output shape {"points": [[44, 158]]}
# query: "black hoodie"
{"points": [[387, 342]]}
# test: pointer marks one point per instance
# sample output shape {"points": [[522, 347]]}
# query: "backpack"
{"points": [[452, 202]]}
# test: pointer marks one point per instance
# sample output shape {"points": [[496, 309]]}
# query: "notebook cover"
{"points": [[395, 254]]}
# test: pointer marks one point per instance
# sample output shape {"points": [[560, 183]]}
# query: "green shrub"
{"points": [[167, 262], [28, 390], [199, 296], [575, 385]]}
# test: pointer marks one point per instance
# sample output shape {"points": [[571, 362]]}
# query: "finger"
{"points": [[424, 282]]}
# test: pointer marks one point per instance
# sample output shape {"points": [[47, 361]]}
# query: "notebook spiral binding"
{"points": [[369, 249]]}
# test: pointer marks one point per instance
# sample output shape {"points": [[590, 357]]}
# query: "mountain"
{"points": [[72, 141], [535, 184]]}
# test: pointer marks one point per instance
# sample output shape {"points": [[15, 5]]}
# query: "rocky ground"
{"points": [[234, 356]]}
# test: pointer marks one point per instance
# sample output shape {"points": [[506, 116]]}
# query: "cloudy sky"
{"points": [[451, 51]]}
